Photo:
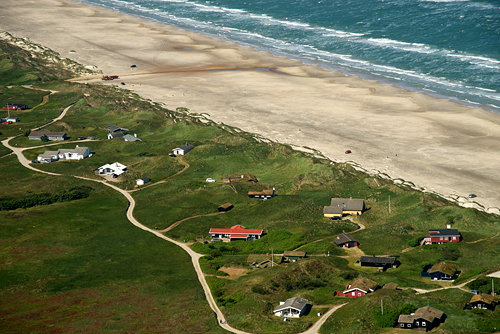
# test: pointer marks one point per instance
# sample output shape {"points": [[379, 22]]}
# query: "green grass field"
{"points": [[80, 266]]}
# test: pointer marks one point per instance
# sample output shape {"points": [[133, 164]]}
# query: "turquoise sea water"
{"points": [[448, 48]]}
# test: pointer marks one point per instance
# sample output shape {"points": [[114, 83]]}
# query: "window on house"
{"points": [[359, 293], [417, 323], [454, 238], [440, 238], [354, 293], [409, 325], [423, 323]]}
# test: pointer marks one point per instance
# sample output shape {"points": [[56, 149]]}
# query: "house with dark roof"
{"points": [[142, 181], [236, 232], [115, 128], [358, 288], [343, 206], [291, 308], [225, 207], [442, 236], [345, 240], [264, 194], [440, 271], [182, 150], [384, 262], [293, 255], [424, 319], [482, 301], [37, 135], [113, 135]]}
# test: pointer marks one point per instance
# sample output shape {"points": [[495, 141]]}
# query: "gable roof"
{"points": [[447, 232], [42, 132], [349, 204], [363, 284], [268, 192], [226, 205], [333, 209], [343, 238], [130, 137], [116, 134], [114, 128], [378, 259], [428, 313], [236, 230], [145, 179], [483, 297], [296, 303], [446, 268]]}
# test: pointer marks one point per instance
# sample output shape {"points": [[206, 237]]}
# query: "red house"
{"points": [[237, 232], [358, 288], [345, 240], [443, 236]]}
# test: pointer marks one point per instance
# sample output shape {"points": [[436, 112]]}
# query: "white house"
{"points": [[116, 169], [12, 119], [291, 308], [183, 149], [143, 181], [78, 153]]}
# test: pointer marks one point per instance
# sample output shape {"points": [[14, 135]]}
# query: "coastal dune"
{"points": [[438, 145]]}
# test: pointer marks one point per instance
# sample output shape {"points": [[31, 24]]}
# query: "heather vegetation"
{"points": [[79, 246]]}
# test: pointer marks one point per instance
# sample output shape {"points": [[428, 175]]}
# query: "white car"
{"points": [[210, 180]]}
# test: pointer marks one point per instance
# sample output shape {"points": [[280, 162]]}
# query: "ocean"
{"points": [[446, 48]]}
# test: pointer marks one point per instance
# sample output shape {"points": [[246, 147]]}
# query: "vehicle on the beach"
{"points": [[348, 151], [172, 155], [123, 83], [210, 180], [472, 196], [35, 161], [93, 137], [133, 66], [109, 77], [7, 122], [81, 138]]}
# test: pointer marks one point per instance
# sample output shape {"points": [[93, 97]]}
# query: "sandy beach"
{"points": [[438, 145]]}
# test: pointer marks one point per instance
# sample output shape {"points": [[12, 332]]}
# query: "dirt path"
{"points": [[181, 160], [180, 221], [314, 328]]}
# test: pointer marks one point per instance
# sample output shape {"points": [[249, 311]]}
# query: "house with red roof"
{"points": [[237, 232], [358, 288]]}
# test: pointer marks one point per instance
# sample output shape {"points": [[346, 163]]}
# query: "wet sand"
{"points": [[438, 145]]}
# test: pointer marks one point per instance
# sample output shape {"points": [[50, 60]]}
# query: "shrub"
{"points": [[260, 290], [414, 242]]}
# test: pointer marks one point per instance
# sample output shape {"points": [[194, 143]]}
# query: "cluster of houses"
{"points": [[116, 132]]}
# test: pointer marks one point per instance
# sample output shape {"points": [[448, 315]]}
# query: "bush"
{"points": [[28, 201], [260, 290], [390, 316], [414, 242]]}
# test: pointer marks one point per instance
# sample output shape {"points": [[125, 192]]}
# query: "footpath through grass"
{"points": [[112, 276]]}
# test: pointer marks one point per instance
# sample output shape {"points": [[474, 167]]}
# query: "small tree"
{"points": [[45, 138], [27, 133]]}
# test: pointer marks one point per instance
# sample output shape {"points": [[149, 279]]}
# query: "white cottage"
{"points": [[183, 149], [142, 181], [78, 153], [291, 308], [115, 169]]}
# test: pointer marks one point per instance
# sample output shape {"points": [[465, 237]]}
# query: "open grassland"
{"points": [[80, 265]]}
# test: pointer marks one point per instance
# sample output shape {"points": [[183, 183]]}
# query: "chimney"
{"points": [[77, 146], [448, 226], [135, 135]]}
